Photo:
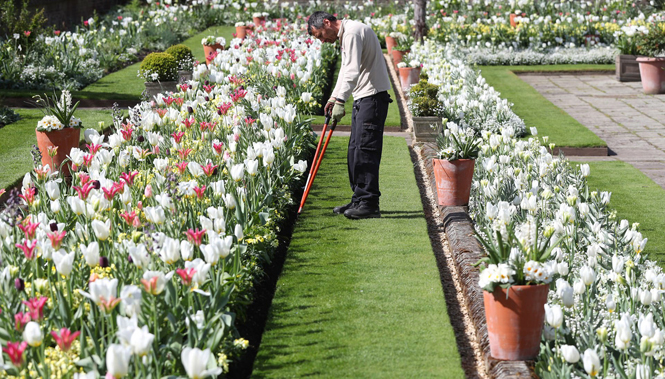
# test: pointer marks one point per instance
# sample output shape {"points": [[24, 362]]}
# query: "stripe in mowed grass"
{"points": [[636, 198], [536, 111], [361, 298]]}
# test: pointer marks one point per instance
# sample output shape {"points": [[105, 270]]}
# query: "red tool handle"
{"points": [[317, 163]]}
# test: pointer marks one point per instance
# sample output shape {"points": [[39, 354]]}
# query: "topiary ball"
{"points": [[182, 54], [159, 66]]}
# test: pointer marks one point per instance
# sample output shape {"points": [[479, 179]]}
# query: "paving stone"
{"points": [[631, 123]]}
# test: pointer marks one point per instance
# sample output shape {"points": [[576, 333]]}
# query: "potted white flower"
{"points": [[210, 45], [259, 18], [453, 168], [58, 132], [409, 73], [241, 30], [516, 284]]}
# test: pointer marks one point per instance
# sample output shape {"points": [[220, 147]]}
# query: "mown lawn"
{"points": [[635, 198], [536, 110], [360, 299], [16, 141]]}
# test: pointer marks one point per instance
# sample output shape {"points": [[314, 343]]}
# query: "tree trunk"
{"points": [[420, 14]]}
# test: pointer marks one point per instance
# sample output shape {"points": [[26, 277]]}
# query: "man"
{"points": [[364, 74]]}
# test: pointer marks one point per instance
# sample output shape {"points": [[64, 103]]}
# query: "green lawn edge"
{"points": [[16, 140], [360, 299], [124, 84], [636, 198], [536, 111]]}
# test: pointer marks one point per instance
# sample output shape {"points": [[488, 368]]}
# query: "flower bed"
{"points": [[605, 313], [142, 265]]}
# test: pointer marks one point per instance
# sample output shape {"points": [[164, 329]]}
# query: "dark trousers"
{"points": [[365, 147]]}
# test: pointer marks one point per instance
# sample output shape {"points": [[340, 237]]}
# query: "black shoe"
{"points": [[342, 208], [362, 211]]}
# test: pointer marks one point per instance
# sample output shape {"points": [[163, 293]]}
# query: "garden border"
{"points": [[466, 251]]}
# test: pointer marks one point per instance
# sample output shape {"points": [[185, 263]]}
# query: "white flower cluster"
{"points": [[466, 98], [509, 56], [49, 123], [495, 275]]}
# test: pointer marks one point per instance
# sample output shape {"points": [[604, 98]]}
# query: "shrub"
{"points": [[652, 44], [7, 116], [159, 67], [424, 101], [183, 55]]}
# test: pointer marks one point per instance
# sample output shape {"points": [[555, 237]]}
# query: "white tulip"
{"points": [[591, 362], [186, 250], [587, 275], [55, 206], [570, 353], [91, 253], [32, 334], [238, 172], [645, 297], [139, 255], [196, 363], [170, 251], [568, 297], [554, 315], [155, 215], [623, 333], [195, 169], [102, 229], [52, 189], [141, 341], [63, 262], [579, 287], [585, 169], [117, 360], [646, 326], [77, 205], [238, 231], [130, 297]]}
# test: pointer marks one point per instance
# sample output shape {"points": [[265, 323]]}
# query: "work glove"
{"points": [[338, 111], [327, 110]]}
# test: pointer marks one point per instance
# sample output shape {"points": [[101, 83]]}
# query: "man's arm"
{"points": [[350, 69]]}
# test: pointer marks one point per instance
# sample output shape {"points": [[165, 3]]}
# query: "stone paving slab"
{"points": [[632, 123]]}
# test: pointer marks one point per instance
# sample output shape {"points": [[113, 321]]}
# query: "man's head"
{"points": [[323, 26]]}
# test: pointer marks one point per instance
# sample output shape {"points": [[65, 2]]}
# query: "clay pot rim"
{"points": [[466, 160], [650, 59], [516, 285]]}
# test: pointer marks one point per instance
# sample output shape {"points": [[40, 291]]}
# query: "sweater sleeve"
{"points": [[350, 68]]}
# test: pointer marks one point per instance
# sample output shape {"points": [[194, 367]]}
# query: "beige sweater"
{"points": [[363, 69]]}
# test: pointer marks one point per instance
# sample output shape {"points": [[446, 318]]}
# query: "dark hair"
{"points": [[316, 20]]}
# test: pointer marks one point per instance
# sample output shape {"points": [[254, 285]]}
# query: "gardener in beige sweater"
{"points": [[364, 75]]}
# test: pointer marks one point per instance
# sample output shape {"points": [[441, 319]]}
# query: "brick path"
{"points": [[632, 124]]}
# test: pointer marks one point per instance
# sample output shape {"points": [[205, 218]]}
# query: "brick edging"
{"points": [[466, 251]]}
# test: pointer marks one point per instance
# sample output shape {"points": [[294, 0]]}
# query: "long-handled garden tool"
{"points": [[318, 157]]}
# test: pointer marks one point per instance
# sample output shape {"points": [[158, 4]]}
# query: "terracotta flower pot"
{"points": [[398, 56], [513, 23], [208, 49], [258, 21], [65, 140], [408, 76], [515, 323], [390, 43], [453, 181], [652, 72], [241, 32]]}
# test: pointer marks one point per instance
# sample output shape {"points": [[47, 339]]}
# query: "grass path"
{"points": [[635, 198], [360, 299], [16, 141], [536, 110]]}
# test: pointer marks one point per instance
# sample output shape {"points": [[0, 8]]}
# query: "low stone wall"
{"points": [[67, 13]]}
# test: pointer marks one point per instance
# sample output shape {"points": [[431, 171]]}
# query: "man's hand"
{"points": [[338, 111], [327, 110]]}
